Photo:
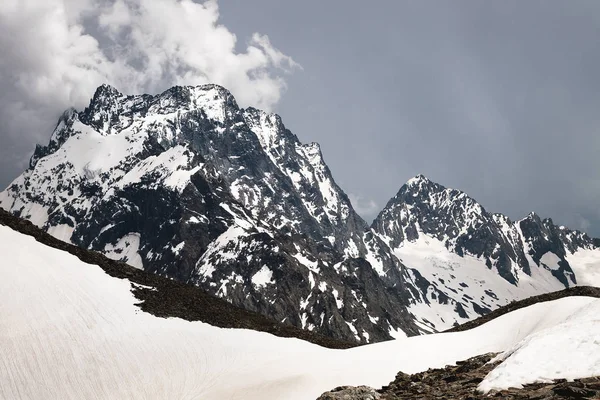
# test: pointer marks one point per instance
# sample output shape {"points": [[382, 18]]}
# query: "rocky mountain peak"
{"points": [[67, 116], [270, 130], [110, 111], [542, 235], [103, 107], [534, 217], [502, 219], [423, 206], [419, 184], [259, 116], [60, 134], [433, 198], [215, 101], [419, 181], [106, 91], [464, 227], [188, 185]]}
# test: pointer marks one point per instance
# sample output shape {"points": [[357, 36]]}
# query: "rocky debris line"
{"points": [[166, 298], [452, 382], [587, 388], [460, 381], [515, 305], [351, 393]]}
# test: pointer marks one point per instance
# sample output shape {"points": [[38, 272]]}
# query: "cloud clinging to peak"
{"points": [[56, 52], [366, 208]]}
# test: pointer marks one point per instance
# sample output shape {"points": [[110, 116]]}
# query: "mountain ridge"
{"points": [[168, 298], [458, 235], [462, 249]]}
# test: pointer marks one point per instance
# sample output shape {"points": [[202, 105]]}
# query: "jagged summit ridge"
{"points": [[437, 201], [417, 180], [423, 205], [451, 216], [109, 110]]}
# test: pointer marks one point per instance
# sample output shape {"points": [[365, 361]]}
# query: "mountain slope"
{"points": [[478, 261], [168, 298], [188, 185], [64, 320]]}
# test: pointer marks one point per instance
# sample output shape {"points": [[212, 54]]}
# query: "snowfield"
{"points": [[69, 331], [473, 280]]}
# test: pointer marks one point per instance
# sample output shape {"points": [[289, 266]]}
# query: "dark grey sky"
{"points": [[499, 99]]}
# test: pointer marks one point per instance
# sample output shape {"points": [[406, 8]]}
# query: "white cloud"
{"points": [[366, 208], [582, 224], [56, 52]]}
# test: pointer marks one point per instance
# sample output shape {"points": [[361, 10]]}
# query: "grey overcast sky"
{"points": [[500, 99]]}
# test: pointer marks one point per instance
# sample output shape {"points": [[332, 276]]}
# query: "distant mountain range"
{"points": [[188, 185]]}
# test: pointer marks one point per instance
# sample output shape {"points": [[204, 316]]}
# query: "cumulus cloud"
{"points": [[56, 52]]}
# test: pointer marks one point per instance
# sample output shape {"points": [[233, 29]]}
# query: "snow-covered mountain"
{"points": [[188, 185], [68, 330], [475, 260]]}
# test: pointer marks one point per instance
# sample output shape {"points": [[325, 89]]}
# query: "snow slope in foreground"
{"points": [[69, 331]]}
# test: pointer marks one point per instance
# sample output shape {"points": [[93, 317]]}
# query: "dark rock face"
{"points": [[542, 237], [460, 382], [351, 393]]}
